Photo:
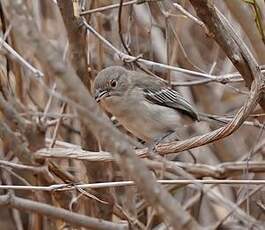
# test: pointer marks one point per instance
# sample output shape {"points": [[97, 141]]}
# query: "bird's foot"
{"points": [[152, 151], [169, 137]]}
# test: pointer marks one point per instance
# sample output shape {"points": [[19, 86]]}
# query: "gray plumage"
{"points": [[144, 105]]}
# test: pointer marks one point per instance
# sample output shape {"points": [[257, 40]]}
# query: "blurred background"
{"points": [[180, 50]]}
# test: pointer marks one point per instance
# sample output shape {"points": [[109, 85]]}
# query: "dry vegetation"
{"points": [[64, 164]]}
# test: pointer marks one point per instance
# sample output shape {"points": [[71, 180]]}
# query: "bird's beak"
{"points": [[100, 95]]}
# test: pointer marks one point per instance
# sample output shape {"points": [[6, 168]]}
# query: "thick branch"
{"points": [[78, 57], [50, 57], [58, 213], [243, 60], [224, 170], [77, 42], [230, 42]]}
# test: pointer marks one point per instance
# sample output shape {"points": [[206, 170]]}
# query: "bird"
{"points": [[144, 105]]}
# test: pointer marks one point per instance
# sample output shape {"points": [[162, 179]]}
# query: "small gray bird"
{"points": [[143, 104]]}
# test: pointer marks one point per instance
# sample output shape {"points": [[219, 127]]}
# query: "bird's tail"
{"points": [[213, 117]]}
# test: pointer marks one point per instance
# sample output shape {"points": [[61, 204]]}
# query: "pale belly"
{"points": [[146, 121]]}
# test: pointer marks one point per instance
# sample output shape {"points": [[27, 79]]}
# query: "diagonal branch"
{"points": [[50, 57], [224, 34], [243, 60], [58, 213], [78, 56]]}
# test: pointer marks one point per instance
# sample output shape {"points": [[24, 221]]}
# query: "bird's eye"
{"points": [[113, 83]]}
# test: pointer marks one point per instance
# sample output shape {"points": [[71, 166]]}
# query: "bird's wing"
{"points": [[170, 98]]}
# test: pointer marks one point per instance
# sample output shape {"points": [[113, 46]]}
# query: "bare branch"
{"points": [[66, 187], [232, 44], [50, 57], [58, 213]]}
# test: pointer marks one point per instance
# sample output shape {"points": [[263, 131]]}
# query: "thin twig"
{"points": [[64, 187], [189, 15], [110, 7], [21, 60]]}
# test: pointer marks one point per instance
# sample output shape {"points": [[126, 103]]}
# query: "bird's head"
{"points": [[110, 82]]}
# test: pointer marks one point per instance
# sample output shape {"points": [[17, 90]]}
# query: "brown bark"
{"points": [[96, 172]]}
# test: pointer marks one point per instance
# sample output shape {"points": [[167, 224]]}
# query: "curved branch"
{"points": [[224, 34], [50, 57], [243, 60]]}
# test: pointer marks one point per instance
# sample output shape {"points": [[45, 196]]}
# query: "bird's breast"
{"points": [[143, 119]]}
